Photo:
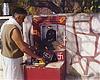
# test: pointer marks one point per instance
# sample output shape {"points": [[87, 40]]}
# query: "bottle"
{"points": [[5, 8]]}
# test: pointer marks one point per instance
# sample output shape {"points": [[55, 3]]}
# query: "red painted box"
{"points": [[53, 71]]}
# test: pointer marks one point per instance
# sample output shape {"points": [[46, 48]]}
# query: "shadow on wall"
{"points": [[73, 74]]}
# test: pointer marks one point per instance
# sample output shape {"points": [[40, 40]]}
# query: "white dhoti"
{"points": [[12, 70]]}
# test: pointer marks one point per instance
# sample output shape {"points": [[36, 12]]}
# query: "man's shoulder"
{"points": [[9, 27]]}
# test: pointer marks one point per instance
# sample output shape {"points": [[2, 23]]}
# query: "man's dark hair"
{"points": [[19, 10]]}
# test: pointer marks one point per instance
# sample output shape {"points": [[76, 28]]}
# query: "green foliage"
{"points": [[90, 5]]}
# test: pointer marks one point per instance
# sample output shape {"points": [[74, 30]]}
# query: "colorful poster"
{"points": [[49, 30]]}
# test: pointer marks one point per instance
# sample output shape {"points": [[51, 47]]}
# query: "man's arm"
{"points": [[17, 38]]}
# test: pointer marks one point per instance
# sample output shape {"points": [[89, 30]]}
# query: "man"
{"points": [[13, 46]]}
